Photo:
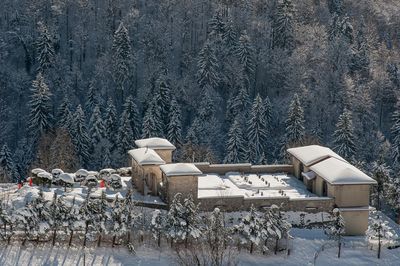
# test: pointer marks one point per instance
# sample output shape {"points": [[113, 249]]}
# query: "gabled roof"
{"points": [[180, 169], [146, 156], [338, 172], [312, 154], [155, 143]]}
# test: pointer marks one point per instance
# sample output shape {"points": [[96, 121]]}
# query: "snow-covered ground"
{"points": [[305, 244]]}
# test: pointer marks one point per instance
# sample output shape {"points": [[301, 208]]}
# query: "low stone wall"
{"points": [[311, 205], [222, 169]]}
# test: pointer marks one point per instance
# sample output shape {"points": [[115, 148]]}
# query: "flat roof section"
{"points": [[180, 169]]}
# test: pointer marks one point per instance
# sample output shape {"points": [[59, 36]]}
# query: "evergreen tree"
{"points": [[125, 135], [45, 49], [283, 25], [235, 146], [23, 156], [340, 28], [174, 130], [131, 115], [122, 58], [344, 138], [97, 128], [360, 58], [295, 122], [381, 173], [245, 52], [230, 35], [157, 225], [92, 98], [152, 123], [80, 136], [217, 24], [395, 132], [163, 99], [336, 229], [7, 166], [40, 115], [336, 7], [208, 68], [191, 218], [249, 229], [64, 116], [110, 122], [238, 106], [256, 134]]}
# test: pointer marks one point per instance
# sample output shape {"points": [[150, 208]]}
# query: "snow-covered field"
{"points": [[305, 245]]}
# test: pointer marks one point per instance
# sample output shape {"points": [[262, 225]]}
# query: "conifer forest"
{"points": [[224, 81]]}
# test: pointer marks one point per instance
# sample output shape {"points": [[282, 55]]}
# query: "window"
{"points": [[301, 171], [324, 189]]}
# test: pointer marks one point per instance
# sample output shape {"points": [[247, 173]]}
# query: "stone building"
{"points": [[317, 180]]}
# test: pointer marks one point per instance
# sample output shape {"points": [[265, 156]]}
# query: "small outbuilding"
{"points": [[146, 173], [179, 178]]}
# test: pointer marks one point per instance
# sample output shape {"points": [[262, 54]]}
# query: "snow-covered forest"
{"points": [[225, 81]]}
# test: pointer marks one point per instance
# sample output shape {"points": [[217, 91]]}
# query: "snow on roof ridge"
{"points": [[155, 143], [180, 169], [312, 154], [338, 172], [146, 156]]}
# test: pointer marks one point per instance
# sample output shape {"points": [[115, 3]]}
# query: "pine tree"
{"points": [[45, 49], [191, 218], [64, 116], [395, 132], [131, 114], [7, 166], [249, 229], [125, 135], [110, 122], [122, 58], [62, 151], [24, 156], [230, 35], [360, 58], [256, 133], [336, 229], [340, 28], [120, 226], [336, 7], [208, 68], [217, 24], [245, 53], [344, 136], [381, 173], [92, 98], [283, 25], [378, 229], [152, 123], [238, 106], [174, 129], [157, 225], [80, 136], [102, 216], [40, 115], [235, 146], [295, 122], [163, 99], [97, 128]]}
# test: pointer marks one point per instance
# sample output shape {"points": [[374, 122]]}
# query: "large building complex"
{"points": [[317, 180]]}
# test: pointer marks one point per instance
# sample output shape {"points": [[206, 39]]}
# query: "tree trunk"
{"points": [[99, 240], [85, 237], [379, 247], [54, 236], [129, 236], [251, 247], [159, 239], [113, 241], [276, 246], [70, 238], [340, 247]]}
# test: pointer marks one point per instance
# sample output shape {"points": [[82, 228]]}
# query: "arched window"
{"points": [[324, 189]]}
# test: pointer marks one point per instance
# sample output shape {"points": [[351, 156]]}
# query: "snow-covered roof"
{"points": [[155, 143], [45, 174], [67, 178], [338, 172], [312, 154], [180, 169], [310, 175], [145, 156]]}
